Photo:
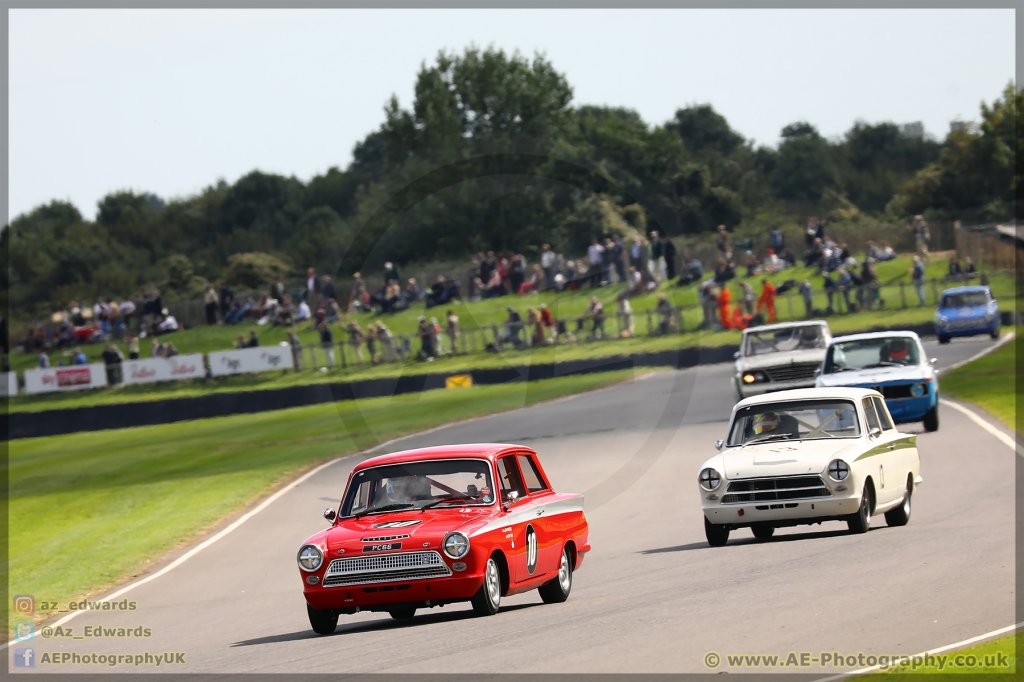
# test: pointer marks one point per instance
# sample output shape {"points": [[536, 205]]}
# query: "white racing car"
{"points": [[808, 456], [778, 357]]}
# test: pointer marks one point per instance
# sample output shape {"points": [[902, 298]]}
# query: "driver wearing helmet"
{"points": [[767, 423], [895, 350], [810, 337]]}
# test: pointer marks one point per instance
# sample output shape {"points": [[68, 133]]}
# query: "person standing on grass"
{"points": [[806, 292], [595, 256], [766, 301], [547, 264], [326, 342], [387, 341], [922, 235], [296, 345], [619, 259], [112, 359], [626, 315], [133, 347], [749, 297], [210, 299], [452, 327], [724, 301], [669, 250], [253, 339], [548, 321], [44, 359], [355, 338], [917, 274], [831, 287]]}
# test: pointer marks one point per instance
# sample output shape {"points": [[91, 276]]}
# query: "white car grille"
{"points": [[794, 372], [385, 568], [773, 489]]}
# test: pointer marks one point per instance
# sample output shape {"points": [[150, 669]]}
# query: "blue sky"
{"points": [[170, 101]]}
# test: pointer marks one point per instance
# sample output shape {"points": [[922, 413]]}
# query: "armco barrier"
{"points": [[148, 413]]}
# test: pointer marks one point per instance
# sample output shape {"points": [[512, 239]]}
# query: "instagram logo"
{"points": [[24, 604]]}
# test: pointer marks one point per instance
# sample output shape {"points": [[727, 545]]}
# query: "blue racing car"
{"points": [[967, 311]]}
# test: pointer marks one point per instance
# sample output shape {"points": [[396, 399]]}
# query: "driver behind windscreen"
{"points": [[409, 489], [809, 338], [895, 350], [773, 423]]}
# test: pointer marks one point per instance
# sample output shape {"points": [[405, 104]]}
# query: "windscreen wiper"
{"points": [[386, 507]]}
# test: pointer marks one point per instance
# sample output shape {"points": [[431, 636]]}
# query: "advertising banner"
{"points": [[259, 359], [65, 378], [9, 384], [164, 369]]}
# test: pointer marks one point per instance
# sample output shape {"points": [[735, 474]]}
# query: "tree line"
{"points": [[493, 155]]}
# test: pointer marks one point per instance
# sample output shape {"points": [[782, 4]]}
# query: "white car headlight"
{"points": [[838, 470], [989, 317], [941, 320], [310, 558], [709, 479], [456, 545], [918, 390]]}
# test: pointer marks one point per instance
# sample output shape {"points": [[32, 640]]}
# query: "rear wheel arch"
{"points": [[570, 545]]}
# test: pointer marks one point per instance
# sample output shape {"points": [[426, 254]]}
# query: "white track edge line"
{"points": [[932, 652], [265, 503]]}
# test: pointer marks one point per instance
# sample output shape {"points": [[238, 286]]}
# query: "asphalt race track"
{"points": [[651, 596]]}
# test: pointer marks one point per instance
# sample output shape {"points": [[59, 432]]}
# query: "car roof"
{"points": [[967, 290], [489, 451], [876, 335], [841, 392], [786, 325]]}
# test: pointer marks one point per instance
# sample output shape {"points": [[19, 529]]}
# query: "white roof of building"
{"points": [[841, 392]]}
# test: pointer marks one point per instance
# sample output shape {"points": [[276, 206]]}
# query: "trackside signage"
{"points": [[9, 384], [260, 359], [65, 378], [164, 369]]}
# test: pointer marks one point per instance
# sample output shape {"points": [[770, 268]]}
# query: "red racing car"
{"points": [[430, 527]]}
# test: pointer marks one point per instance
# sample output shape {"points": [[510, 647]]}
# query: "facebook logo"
{"points": [[24, 657]]}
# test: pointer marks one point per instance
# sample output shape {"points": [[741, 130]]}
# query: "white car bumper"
{"points": [[759, 388], [782, 512]]}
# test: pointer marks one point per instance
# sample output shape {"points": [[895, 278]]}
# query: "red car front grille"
{"points": [[385, 568]]}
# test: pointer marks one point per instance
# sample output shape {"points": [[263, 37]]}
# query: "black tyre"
{"points": [[860, 520], [403, 614], [995, 333], [901, 514], [487, 599], [322, 622], [943, 339], [931, 419], [763, 531], [716, 534], [557, 591]]}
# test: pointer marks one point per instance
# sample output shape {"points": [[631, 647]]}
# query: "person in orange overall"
{"points": [[767, 299], [724, 307], [739, 320]]}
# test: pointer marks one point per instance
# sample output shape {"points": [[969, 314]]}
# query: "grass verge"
{"points": [[992, 382], [108, 503], [992, 661]]}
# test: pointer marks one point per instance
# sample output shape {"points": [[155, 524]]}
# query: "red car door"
{"points": [[544, 522], [509, 480]]}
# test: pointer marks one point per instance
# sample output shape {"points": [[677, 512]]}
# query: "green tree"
{"points": [[803, 167]]}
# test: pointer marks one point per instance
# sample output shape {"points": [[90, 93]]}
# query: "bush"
{"points": [[255, 269]]}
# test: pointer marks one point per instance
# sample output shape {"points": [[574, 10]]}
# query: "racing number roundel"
{"points": [[531, 549]]}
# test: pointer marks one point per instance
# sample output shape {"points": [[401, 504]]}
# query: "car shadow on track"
{"points": [[375, 625], [737, 542]]}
